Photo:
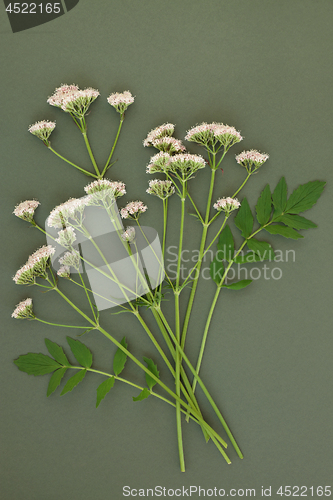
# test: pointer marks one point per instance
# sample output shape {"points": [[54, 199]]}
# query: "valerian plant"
{"points": [[68, 226]]}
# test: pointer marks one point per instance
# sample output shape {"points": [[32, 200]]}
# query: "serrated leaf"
{"points": [[55, 380], [57, 352], [296, 221], [239, 285], [216, 270], [120, 358], [73, 381], [143, 395], [244, 219], [285, 231], [81, 352], [304, 197], [279, 195], [261, 248], [264, 206], [153, 369], [103, 389], [36, 364], [226, 245]]}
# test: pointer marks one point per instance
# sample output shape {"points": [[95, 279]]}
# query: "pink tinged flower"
{"points": [[42, 129], [60, 93], [66, 237], [64, 272], [129, 234], [121, 101], [186, 164], [167, 129], [202, 134], [169, 145], [23, 310], [251, 159], [35, 266], [227, 204], [72, 258], [228, 136], [133, 210], [162, 189], [72, 208], [116, 187], [73, 100], [26, 210], [158, 163]]}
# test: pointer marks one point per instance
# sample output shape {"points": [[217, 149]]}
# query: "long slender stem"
{"points": [[71, 163], [122, 116], [86, 141], [57, 324]]}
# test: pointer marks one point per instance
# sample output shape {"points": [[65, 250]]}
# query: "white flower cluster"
{"points": [[23, 310], [162, 189], [129, 234], [73, 100], [35, 266], [71, 209], [26, 210], [227, 204], [66, 237], [133, 210], [42, 129], [71, 258], [64, 272], [167, 129], [121, 101], [158, 163], [186, 164], [251, 159], [116, 187], [212, 133]]}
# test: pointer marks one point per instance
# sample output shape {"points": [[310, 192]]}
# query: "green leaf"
{"points": [[81, 352], [57, 352], [143, 395], [304, 197], [280, 195], [261, 248], [264, 206], [244, 219], [36, 364], [285, 231], [103, 389], [296, 221], [55, 380], [216, 270], [226, 245], [120, 358], [73, 381], [153, 369], [248, 258], [239, 285]]}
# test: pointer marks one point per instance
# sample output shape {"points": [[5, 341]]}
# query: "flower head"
{"points": [[158, 163], [71, 209], [167, 129], [118, 188], [35, 266], [162, 189], [42, 129], [169, 145], [186, 164], [26, 210], [23, 310], [71, 258], [121, 101], [251, 159], [213, 132], [64, 272], [129, 234], [66, 237], [227, 205], [202, 134], [227, 136], [73, 100], [133, 210]]}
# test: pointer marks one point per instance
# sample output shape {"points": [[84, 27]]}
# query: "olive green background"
{"points": [[263, 66]]}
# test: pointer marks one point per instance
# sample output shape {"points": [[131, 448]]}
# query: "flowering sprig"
{"points": [[133, 210], [42, 130], [161, 189], [35, 266], [251, 159], [165, 130], [24, 310], [73, 100], [227, 205], [129, 234], [159, 163], [26, 210], [121, 101]]}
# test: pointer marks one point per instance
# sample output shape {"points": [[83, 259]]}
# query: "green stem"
{"points": [[57, 324], [88, 297], [85, 137], [114, 146], [73, 164]]}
